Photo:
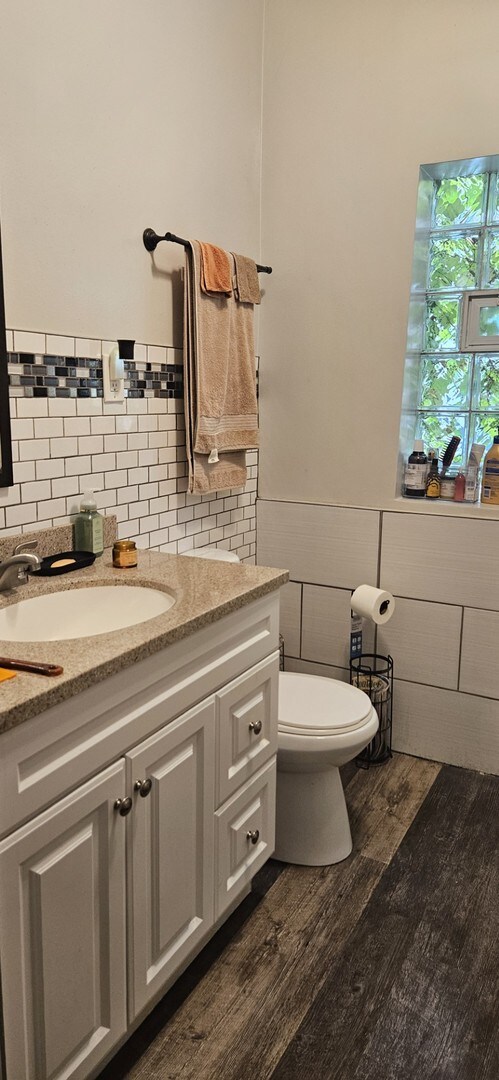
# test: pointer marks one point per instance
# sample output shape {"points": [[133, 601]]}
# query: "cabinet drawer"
{"points": [[246, 725], [245, 836]]}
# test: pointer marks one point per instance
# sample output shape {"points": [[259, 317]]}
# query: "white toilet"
{"points": [[323, 723]]}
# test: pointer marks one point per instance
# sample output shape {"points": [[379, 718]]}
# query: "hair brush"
{"points": [[449, 452]]}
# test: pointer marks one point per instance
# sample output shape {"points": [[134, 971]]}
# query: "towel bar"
{"points": [[151, 241]]}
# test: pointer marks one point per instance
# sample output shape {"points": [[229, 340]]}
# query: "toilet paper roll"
{"points": [[372, 603]]}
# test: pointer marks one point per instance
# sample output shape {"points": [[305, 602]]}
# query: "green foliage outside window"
{"points": [[459, 394]]}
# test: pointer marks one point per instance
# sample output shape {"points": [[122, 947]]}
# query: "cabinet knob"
{"points": [[256, 727], [143, 787], [123, 806], [253, 835]]}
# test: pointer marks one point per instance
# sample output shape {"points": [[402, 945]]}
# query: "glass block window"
{"points": [[457, 239]]}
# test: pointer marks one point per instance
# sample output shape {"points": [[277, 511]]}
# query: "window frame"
{"points": [[472, 303]]}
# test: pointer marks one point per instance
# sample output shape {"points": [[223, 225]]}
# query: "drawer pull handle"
{"points": [[253, 835], [143, 787], [123, 806], [256, 727]]}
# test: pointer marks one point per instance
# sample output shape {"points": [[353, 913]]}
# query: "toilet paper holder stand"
{"points": [[373, 674]]}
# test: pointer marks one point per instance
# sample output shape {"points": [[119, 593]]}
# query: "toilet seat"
{"points": [[318, 706]]}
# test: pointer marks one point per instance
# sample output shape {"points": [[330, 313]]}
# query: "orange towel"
{"points": [[247, 285], [4, 674], [215, 270]]}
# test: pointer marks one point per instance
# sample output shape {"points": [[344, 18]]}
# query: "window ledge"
{"points": [[444, 508]]}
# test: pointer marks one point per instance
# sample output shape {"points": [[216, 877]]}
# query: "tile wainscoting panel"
{"points": [[290, 617], [479, 666], [435, 567], [423, 639], [327, 671], [326, 626], [324, 545], [446, 726], [436, 558]]}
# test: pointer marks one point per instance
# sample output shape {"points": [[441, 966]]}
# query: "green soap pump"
{"points": [[89, 526]]}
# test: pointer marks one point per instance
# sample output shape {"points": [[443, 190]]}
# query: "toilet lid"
{"points": [[314, 705]]}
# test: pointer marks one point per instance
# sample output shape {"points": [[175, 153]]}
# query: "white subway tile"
{"points": [[22, 429], [136, 476], [148, 423], [169, 549], [114, 408], [36, 490], [34, 449], [148, 457], [48, 427], [10, 496], [91, 444], [51, 508], [63, 447], [140, 353], [157, 354], [45, 470], [126, 424], [88, 347], [139, 509], [128, 494], [101, 425], [61, 407], [89, 407], [136, 441], [115, 442], [166, 422], [168, 519], [58, 345], [78, 465], [128, 529], [148, 523], [28, 341], [77, 425], [116, 478], [103, 462], [148, 491], [127, 459], [20, 515], [27, 407], [65, 485], [135, 406], [23, 471], [92, 481], [177, 532]]}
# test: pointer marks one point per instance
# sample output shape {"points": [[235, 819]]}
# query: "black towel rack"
{"points": [[151, 241]]}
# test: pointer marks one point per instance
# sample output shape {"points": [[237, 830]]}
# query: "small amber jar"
{"points": [[124, 553]]}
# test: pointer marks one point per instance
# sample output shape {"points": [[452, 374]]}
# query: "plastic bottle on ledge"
{"points": [[433, 479], [490, 479], [416, 472], [89, 526]]}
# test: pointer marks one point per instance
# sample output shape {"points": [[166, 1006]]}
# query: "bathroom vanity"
{"points": [[137, 798]]}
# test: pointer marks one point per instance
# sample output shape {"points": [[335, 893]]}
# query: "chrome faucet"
{"points": [[15, 569]]}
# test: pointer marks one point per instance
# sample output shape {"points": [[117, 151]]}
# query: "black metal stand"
{"points": [[374, 675]]}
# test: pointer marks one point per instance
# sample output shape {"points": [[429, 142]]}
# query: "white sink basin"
{"points": [[79, 613]]}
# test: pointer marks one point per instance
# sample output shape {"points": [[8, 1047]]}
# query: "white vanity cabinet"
{"points": [[121, 876]]}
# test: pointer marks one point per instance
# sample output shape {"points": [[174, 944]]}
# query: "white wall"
{"points": [[116, 116], [356, 96]]}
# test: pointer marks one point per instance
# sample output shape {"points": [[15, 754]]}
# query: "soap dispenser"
{"points": [[89, 526]]}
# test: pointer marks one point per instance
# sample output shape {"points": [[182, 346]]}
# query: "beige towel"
{"points": [[247, 285], [215, 270], [230, 469]]}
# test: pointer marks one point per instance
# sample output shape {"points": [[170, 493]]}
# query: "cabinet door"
{"points": [[247, 725], [62, 934], [170, 849], [245, 835]]}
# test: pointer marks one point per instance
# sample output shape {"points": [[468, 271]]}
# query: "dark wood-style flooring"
{"points": [[383, 967]]}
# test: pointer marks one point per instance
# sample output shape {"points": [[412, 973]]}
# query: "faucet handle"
{"points": [[26, 545]]}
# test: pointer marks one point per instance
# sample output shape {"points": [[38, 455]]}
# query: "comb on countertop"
{"points": [[31, 667]]}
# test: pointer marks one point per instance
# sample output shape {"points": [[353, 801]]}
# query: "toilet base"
{"points": [[312, 826]]}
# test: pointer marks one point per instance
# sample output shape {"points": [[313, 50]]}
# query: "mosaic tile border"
{"points": [[42, 375]]}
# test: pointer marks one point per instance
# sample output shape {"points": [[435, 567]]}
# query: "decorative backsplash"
{"points": [[66, 439], [39, 376]]}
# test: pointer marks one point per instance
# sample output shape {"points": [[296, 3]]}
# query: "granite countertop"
{"points": [[205, 590]]}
